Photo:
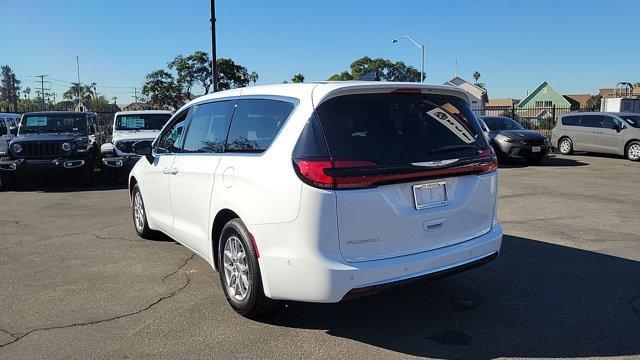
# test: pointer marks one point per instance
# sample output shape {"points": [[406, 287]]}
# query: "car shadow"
{"points": [[536, 300], [63, 184], [547, 162]]}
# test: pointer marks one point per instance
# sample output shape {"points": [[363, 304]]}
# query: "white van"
{"points": [[322, 191]]}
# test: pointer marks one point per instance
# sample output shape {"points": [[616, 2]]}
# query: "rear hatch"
{"points": [[411, 171]]}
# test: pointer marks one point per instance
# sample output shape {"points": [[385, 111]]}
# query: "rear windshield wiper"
{"points": [[451, 148]]}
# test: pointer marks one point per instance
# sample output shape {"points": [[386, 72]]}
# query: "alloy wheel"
{"points": [[565, 146], [634, 152], [236, 269], [138, 211]]}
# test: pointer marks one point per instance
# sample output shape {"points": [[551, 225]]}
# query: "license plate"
{"points": [[535, 149], [430, 195]]}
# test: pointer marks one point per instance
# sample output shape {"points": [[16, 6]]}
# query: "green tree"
{"points": [[476, 76], [77, 92], [378, 69], [593, 102], [253, 77], [163, 90], [7, 91], [231, 75], [297, 78], [193, 69]]}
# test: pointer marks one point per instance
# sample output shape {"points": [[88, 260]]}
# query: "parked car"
{"points": [[128, 128], [320, 192], [53, 142], [8, 130], [511, 140], [599, 132]]}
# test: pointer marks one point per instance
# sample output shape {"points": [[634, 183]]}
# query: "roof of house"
{"points": [[535, 92], [501, 102], [578, 99], [457, 81]]}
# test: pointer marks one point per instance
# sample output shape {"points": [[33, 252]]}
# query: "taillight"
{"points": [[337, 174]]}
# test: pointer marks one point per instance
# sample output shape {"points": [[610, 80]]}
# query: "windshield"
{"points": [[141, 121], [502, 123], [48, 123], [399, 128], [633, 120]]}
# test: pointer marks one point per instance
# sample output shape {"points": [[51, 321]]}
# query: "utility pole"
{"points": [[79, 86], [15, 93], [214, 72], [135, 94], [95, 97], [42, 89]]}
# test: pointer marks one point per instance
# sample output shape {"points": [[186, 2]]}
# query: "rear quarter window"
{"points": [[571, 120], [255, 124]]}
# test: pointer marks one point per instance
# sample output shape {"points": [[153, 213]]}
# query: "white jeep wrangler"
{"points": [[128, 128]]}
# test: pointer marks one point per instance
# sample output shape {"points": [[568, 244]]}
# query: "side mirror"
{"points": [[616, 127], [13, 130], [109, 130], [3, 130], [142, 148], [92, 130]]}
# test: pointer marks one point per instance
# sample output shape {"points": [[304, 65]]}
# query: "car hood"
{"points": [[520, 134], [23, 138], [134, 135]]}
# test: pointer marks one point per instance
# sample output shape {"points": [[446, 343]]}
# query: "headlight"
{"points": [[514, 141], [17, 148], [65, 146]]}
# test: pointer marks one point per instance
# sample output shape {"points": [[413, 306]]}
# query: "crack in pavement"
{"points": [[14, 222], [20, 336]]}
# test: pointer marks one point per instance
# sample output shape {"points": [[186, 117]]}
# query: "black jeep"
{"points": [[53, 143]]}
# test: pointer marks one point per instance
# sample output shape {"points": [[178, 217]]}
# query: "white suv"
{"points": [[128, 128], [322, 191]]}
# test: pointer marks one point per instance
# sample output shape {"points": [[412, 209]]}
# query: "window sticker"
{"points": [[452, 124], [37, 121], [132, 122]]}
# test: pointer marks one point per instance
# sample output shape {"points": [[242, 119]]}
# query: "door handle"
{"points": [[171, 171]]}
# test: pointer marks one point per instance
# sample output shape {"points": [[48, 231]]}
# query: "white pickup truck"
{"points": [[129, 127]]}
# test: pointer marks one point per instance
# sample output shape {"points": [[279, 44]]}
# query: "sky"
{"points": [[577, 46]]}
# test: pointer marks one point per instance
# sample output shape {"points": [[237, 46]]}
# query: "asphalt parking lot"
{"points": [[78, 283]]}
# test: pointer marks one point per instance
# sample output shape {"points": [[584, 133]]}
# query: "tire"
{"points": [[6, 181], [534, 161], [237, 259], [565, 146], [633, 151], [139, 215]]}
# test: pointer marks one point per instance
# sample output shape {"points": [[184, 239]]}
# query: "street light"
{"points": [[421, 47]]}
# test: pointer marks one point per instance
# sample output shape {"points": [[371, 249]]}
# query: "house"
{"points": [[578, 101], [539, 108], [477, 93]]}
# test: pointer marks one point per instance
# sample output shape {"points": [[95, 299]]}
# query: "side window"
{"points": [[256, 123], [591, 120], [571, 120], [208, 128], [169, 141]]}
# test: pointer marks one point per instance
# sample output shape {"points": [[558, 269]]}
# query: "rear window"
{"points": [[571, 120], [403, 128], [255, 124]]}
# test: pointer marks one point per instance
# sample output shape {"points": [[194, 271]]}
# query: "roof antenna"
{"points": [[456, 69]]}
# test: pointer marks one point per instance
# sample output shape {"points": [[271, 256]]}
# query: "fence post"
{"points": [[513, 111]]}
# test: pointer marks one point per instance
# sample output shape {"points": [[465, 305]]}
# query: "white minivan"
{"points": [[321, 192]]}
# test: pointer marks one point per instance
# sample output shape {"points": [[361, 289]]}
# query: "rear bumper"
{"points": [[327, 280]]}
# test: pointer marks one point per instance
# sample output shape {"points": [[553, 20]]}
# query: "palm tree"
{"points": [[253, 77], [115, 98], [26, 92], [476, 76], [79, 92]]}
